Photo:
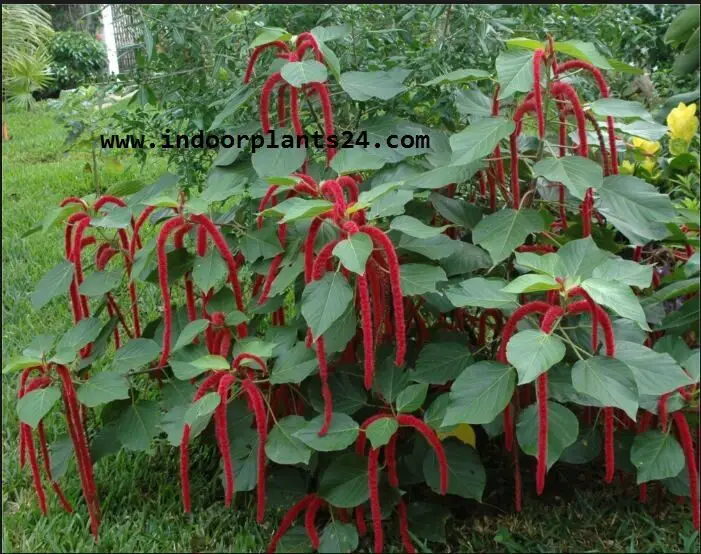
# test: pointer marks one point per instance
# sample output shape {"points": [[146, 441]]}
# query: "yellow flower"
{"points": [[463, 432], [649, 165], [647, 147], [682, 122], [626, 168]]}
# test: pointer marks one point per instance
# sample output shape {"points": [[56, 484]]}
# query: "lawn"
{"points": [[140, 494]]}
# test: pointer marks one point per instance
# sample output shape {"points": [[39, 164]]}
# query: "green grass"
{"points": [[140, 494]]}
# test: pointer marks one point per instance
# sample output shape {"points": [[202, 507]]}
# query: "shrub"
{"points": [[381, 299], [78, 59]]}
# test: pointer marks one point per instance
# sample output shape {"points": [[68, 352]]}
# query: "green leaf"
{"points": [[500, 233], [415, 228], [579, 258], [583, 51], [456, 210], [34, 405], [411, 398], [615, 107], [296, 208], [563, 430], [199, 413], [102, 388], [390, 380], [362, 86], [533, 352], [523, 42], [442, 176], [380, 431], [353, 160], [295, 366], [479, 292], [418, 279], [54, 283], [21, 362], [514, 72], [656, 456], [575, 172], [466, 475], [338, 537], [427, 520], [282, 448], [181, 361], [466, 259], [210, 270], [253, 345], [263, 243], [325, 301], [116, 217], [441, 362], [532, 282], [682, 26], [479, 140], [271, 161], [188, 334], [626, 272], [480, 393], [435, 248], [211, 361], [138, 424], [607, 380], [344, 483], [270, 34], [354, 252], [548, 264], [655, 373], [585, 449], [98, 283], [287, 276], [135, 353], [341, 434], [301, 73], [459, 76], [84, 332], [635, 208], [620, 298]]}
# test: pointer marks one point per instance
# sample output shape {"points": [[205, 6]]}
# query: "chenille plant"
{"points": [[339, 314]]}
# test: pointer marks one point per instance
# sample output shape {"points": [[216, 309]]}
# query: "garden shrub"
{"points": [[345, 316], [78, 59]]}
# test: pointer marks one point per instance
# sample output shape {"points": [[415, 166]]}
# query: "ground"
{"points": [[140, 494]]}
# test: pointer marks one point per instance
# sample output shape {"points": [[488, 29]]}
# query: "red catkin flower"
{"points": [[258, 405], [508, 428], [381, 239], [608, 444], [366, 321], [691, 465], [281, 106], [662, 410], [537, 248], [361, 441], [593, 312], [391, 460], [310, 521], [644, 425], [325, 389], [267, 90], [294, 112], [34, 465], [537, 306], [222, 435], [537, 92], [375, 509], [525, 107], [431, 437], [404, 528], [325, 99], [74, 200], [563, 90], [288, 519], [46, 458], [360, 521], [279, 45]]}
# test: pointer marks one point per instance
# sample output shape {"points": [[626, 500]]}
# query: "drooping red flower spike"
{"points": [[534, 307], [404, 528], [257, 403], [564, 91], [222, 435], [73, 200], [527, 106], [366, 322], [264, 106], [322, 90], [691, 465], [287, 521], [277, 44], [537, 92], [593, 312], [432, 439], [310, 521], [28, 441], [375, 509]]}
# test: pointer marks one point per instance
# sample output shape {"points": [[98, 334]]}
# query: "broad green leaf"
{"points": [[523, 42], [354, 252], [514, 72], [84, 332], [466, 259], [579, 258], [135, 353], [325, 301], [648, 130], [693, 365], [479, 292], [181, 361], [390, 380], [337, 337], [380, 431], [40, 347], [344, 483], [427, 520], [287, 276], [338, 537], [54, 283], [500, 233], [655, 373], [263, 243], [656, 456], [296, 208], [349, 394], [442, 176], [391, 204], [211, 361], [682, 26], [576, 173], [295, 366], [362, 86], [411, 398], [116, 217], [418, 279], [479, 140], [341, 433], [456, 210], [282, 448], [353, 160], [466, 475], [480, 393], [211, 270], [583, 51], [34, 405], [269, 34], [533, 352], [531, 282], [685, 317], [415, 228], [563, 430], [435, 248], [609, 381], [98, 283], [270, 161], [585, 449], [21, 362], [440, 362], [616, 107], [301, 73], [199, 413], [102, 388], [256, 346], [624, 271], [635, 208], [188, 334], [620, 298], [459, 76], [138, 424], [296, 540], [548, 264]]}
